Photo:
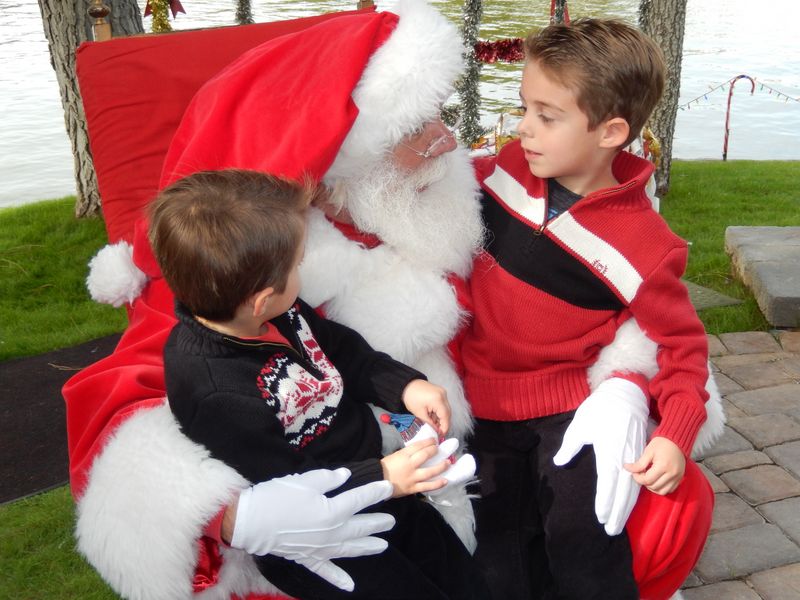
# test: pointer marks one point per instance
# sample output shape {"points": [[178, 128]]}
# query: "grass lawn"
{"points": [[706, 197], [43, 305]]}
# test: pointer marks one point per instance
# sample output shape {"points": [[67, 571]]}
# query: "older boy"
{"points": [[271, 388], [575, 251]]}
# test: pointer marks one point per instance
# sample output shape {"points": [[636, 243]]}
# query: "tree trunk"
{"points": [[665, 22], [66, 25]]}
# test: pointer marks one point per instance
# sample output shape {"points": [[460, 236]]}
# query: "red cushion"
{"points": [[135, 91]]}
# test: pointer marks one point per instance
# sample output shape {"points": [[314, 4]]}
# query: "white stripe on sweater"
{"points": [[598, 254], [515, 196]]}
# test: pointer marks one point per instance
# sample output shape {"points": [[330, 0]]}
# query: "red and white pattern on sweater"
{"points": [[548, 297], [304, 403], [610, 264]]}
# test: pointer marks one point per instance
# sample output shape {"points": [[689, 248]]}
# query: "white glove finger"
{"points": [[329, 572], [624, 501], [607, 474], [425, 432], [360, 526], [460, 472], [321, 480], [443, 452], [572, 443], [348, 549], [352, 501]]}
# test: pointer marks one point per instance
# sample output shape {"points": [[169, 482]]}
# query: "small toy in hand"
{"points": [[412, 430]]}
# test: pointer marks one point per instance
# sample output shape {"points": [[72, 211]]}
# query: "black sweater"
{"points": [[268, 409]]}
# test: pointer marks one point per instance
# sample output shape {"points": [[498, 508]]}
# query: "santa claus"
{"points": [[353, 103]]}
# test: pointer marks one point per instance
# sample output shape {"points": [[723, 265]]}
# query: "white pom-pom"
{"points": [[113, 277]]}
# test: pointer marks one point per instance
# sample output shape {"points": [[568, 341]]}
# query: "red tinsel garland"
{"points": [[507, 50]]}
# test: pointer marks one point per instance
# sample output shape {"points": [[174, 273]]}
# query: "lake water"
{"points": [[724, 38]]}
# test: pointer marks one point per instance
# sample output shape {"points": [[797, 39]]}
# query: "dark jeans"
{"points": [[424, 560], [538, 536]]}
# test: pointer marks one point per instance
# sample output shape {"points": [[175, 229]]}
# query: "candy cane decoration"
{"points": [[728, 112]]}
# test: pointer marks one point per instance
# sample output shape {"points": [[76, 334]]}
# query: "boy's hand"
{"points": [[405, 471], [428, 402], [661, 466]]}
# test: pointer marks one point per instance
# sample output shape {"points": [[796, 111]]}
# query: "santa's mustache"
{"points": [[428, 215]]}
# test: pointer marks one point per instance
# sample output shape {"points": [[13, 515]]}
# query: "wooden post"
{"points": [[101, 28]]}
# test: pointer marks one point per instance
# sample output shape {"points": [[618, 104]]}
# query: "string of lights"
{"points": [[722, 86]]}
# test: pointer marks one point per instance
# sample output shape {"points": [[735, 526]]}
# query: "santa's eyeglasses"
{"points": [[436, 143]]}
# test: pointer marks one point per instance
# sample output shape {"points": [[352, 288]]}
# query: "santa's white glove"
{"points": [[292, 518], [458, 472], [614, 420]]}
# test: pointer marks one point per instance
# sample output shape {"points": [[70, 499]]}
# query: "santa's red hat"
{"points": [[322, 101], [326, 102]]}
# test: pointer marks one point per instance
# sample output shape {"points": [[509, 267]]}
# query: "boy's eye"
{"points": [[522, 108], [545, 118]]}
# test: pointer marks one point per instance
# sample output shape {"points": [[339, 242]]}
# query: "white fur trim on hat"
{"points": [[113, 277], [403, 86]]}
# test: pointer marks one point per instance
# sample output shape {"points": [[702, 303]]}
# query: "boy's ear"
{"points": [[615, 132], [260, 301]]}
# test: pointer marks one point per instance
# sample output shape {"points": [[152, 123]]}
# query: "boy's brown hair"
{"points": [[614, 69], [221, 236]]}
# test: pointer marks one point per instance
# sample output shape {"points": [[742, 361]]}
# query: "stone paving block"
{"points": [[767, 430], [731, 410], [786, 515], [776, 287], [787, 456], [765, 483], [717, 485], [789, 340], [724, 363], [692, 581], [749, 342], [739, 552], [761, 374], [737, 236], [737, 460], [728, 442], [726, 385], [726, 590], [731, 512], [791, 366], [715, 346], [778, 399], [782, 583]]}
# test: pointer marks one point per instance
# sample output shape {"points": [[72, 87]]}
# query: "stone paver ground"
{"points": [[753, 551]]}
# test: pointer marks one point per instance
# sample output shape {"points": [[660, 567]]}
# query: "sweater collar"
{"points": [[632, 173], [196, 337]]}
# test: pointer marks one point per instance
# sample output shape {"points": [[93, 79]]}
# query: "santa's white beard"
{"points": [[430, 216]]}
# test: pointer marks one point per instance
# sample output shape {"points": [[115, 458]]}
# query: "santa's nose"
{"points": [[444, 139]]}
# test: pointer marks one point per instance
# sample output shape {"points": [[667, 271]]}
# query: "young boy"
{"points": [[574, 250], [271, 388]]}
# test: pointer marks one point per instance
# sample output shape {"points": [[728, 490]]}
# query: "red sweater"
{"points": [[548, 296]]}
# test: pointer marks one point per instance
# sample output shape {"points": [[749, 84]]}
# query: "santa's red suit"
{"points": [[145, 494], [328, 102]]}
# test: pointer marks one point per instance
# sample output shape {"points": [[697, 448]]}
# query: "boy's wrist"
{"points": [[229, 521]]}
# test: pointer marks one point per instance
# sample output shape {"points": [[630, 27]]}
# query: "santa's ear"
{"points": [[260, 301], [615, 133]]}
